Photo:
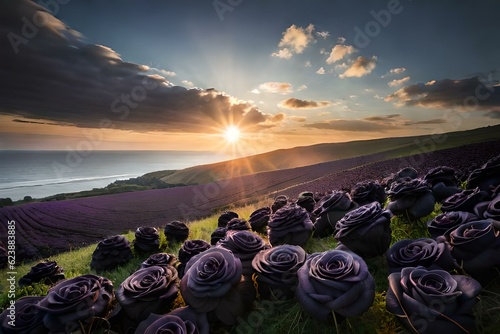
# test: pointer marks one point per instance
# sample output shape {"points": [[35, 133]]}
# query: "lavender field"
{"points": [[51, 227]]}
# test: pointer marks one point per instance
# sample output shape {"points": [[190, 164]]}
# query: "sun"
{"points": [[232, 134]]}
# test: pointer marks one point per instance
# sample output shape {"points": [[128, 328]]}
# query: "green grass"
{"points": [[279, 316]]}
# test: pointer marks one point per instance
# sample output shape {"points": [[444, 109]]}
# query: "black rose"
{"points": [[75, 302], [225, 217], [176, 231], [27, 317], [366, 230], [367, 192], [217, 234], [493, 209], [189, 249], [238, 224], [47, 272], [432, 301], [213, 283], [244, 245], [259, 218], [159, 259], [276, 270], [486, 176], [337, 281], [330, 209], [279, 202], [465, 200], [476, 245], [448, 220], [424, 252], [110, 253], [443, 182], [147, 239], [289, 225], [413, 197], [307, 201], [180, 321], [148, 290]]}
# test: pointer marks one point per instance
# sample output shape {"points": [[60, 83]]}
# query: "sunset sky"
{"points": [[173, 75]]}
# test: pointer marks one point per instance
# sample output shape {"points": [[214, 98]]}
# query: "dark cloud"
{"points": [[429, 121], [350, 125], [495, 114], [50, 73], [294, 103], [382, 118], [470, 93]]}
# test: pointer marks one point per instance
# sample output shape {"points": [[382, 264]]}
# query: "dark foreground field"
{"points": [[51, 227]]}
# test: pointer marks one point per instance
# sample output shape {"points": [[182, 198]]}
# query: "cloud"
{"points": [[283, 54], [397, 70], [382, 118], [350, 125], [308, 63], [187, 83], [340, 51], [429, 122], [255, 91], [278, 118], [341, 40], [276, 87], [360, 67], [398, 82], [295, 40], [298, 119], [323, 34], [321, 70], [495, 114], [294, 104], [58, 77], [470, 93], [301, 87], [162, 72]]}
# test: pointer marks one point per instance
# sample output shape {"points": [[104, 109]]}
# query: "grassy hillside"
{"points": [[386, 148]]}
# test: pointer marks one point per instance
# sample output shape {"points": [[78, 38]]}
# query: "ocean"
{"points": [[44, 173]]}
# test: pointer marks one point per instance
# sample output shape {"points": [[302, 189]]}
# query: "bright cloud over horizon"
{"points": [[170, 75]]}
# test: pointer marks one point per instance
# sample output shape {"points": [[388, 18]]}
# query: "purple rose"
{"points": [[244, 245], [148, 290], [307, 201], [276, 270], [465, 200], [367, 192], [110, 253], [176, 231], [448, 220], [423, 252], [476, 245], [180, 321], [335, 281], [330, 209], [279, 202], [213, 283], [259, 218], [225, 217], [432, 301], [238, 224], [217, 234], [147, 239], [443, 182], [289, 225], [413, 197], [47, 272], [28, 318], [189, 249], [159, 259], [366, 230], [493, 209], [75, 302], [486, 176]]}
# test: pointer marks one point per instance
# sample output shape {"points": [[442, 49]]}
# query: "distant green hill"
{"points": [[386, 148]]}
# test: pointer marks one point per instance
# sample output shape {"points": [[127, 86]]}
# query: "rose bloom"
{"points": [[74, 301], [366, 230], [335, 281], [425, 252], [213, 283], [29, 318], [448, 220], [432, 301]]}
